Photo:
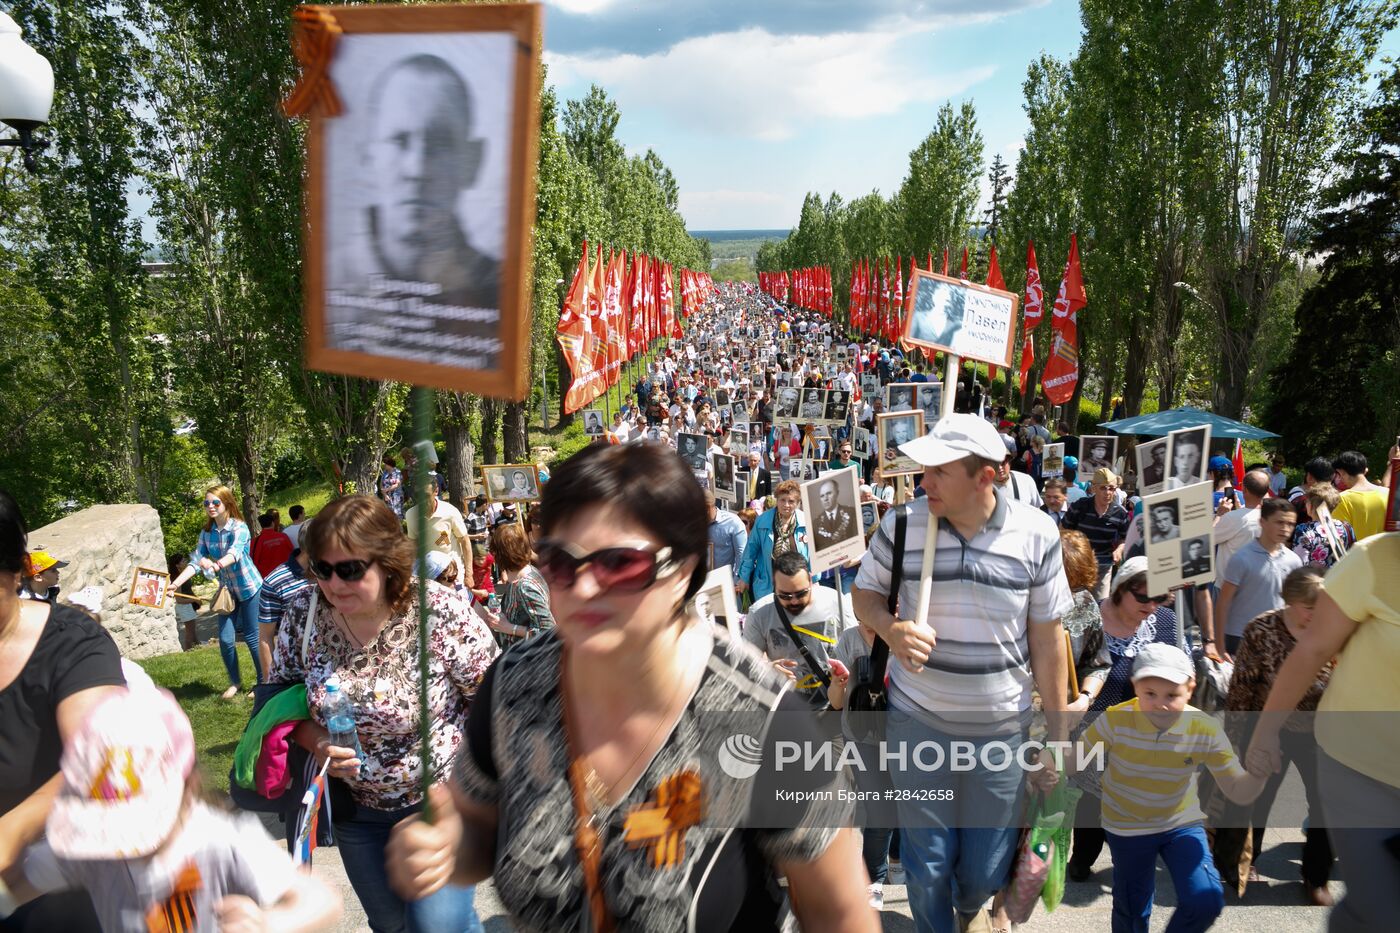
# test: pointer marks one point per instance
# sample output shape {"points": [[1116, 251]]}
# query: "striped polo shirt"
{"points": [[1105, 532], [1150, 782], [986, 590]]}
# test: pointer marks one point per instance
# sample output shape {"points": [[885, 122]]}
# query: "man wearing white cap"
{"points": [[964, 671]]}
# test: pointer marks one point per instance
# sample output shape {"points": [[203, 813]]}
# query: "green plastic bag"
{"points": [[1056, 817]]}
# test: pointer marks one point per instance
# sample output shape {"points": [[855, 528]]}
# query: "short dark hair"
{"points": [[296, 512], [1351, 462], [265, 520], [790, 564], [650, 483], [365, 525], [14, 535], [1271, 507], [1320, 469], [1256, 483], [1055, 483]]}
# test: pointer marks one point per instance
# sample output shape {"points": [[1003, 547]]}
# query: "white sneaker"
{"points": [[894, 874], [877, 896]]}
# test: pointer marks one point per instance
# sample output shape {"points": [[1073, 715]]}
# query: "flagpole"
{"points": [[423, 435]]}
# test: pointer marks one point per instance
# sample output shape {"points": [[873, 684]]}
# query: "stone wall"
{"points": [[104, 545]]}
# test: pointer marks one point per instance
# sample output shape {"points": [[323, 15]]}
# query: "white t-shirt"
{"points": [[1234, 530], [213, 855]]}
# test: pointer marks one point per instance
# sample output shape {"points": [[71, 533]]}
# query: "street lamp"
{"points": [[26, 89]]}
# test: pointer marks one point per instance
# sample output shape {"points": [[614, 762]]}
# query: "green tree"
{"points": [[1342, 375], [938, 196]]}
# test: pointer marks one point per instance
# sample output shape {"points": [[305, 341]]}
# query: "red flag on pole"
{"points": [[962, 271], [1062, 366], [995, 280]]}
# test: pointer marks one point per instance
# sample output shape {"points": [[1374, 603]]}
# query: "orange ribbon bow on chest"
{"points": [[661, 822]]}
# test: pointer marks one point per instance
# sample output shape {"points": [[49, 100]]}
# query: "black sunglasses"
{"points": [[347, 570], [626, 569], [800, 594], [1144, 599]]}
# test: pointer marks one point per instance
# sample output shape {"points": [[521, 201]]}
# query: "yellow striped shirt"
{"points": [[1149, 785]]}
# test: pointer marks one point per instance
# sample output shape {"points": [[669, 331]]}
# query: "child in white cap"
{"points": [[129, 827], [1153, 746]]}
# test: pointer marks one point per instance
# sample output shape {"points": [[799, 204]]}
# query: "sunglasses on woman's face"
{"points": [[213, 503], [626, 569], [347, 570], [1144, 599]]}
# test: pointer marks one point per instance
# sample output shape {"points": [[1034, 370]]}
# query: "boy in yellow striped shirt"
{"points": [[1150, 807]]}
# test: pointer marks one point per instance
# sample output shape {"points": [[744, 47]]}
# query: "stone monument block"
{"points": [[104, 545]]}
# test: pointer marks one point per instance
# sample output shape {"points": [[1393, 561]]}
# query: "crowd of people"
{"points": [[578, 691]]}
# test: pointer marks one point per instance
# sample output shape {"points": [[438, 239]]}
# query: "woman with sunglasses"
{"points": [[1131, 618], [362, 617], [588, 786], [225, 550]]}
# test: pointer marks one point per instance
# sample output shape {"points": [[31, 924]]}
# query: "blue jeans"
{"points": [[1199, 895], [956, 854], [243, 619], [361, 841], [877, 847]]}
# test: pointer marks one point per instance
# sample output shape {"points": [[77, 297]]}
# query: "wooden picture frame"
{"points": [[499, 481], [149, 588], [892, 461], [378, 304], [970, 321]]}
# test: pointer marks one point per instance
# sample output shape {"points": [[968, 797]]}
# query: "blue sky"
{"points": [[753, 104]]}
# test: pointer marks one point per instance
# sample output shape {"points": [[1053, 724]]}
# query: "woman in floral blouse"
{"points": [[363, 621], [1309, 541], [1265, 646]]}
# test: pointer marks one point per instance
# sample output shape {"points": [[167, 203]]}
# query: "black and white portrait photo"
{"points": [[939, 311], [930, 401], [838, 404], [860, 443], [895, 429], [870, 516], [739, 438], [1195, 557], [787, 403], [721, 397], [593, 422], [694, 450], [813, 404], [1152, 466], [833, 518], [899, 396], [1163, 521], [511, 482], [724, 476], [1187, 453], [1096, 452], [417, 181], [869, 384]]}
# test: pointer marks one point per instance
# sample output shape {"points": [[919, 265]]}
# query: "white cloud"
{"points": [[727, 208], [758, 85], [583, 7]]}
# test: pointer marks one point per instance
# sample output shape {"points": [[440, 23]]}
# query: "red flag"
{"points": [[666, 303], [962, 272], [1238, 461], [1062, 366], [995, 280], [907, 311], [930, 260], [578, 339], [1032, 311]]}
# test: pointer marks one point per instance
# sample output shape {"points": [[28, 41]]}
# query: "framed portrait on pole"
{"points": [[420, 191], [511, 482], [831, 502], [893, 429], [970, 321], [1179, 537]]}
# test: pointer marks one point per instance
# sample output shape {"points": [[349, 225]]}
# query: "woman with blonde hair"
{"points": [[225, 550]]}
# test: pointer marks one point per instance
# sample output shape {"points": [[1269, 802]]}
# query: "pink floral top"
{"points": [[381, 680]]}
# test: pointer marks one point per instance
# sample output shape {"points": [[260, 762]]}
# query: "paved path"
{"points": [[1276, 906]]}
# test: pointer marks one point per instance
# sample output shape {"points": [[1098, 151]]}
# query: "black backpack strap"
{"points": [[816, 668], [880, 651]]}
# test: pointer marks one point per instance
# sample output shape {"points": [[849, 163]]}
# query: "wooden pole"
{"points": [[423, 435]]}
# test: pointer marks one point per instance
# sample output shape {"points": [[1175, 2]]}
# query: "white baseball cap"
{"points": [[956, 437], [1162, 660]]}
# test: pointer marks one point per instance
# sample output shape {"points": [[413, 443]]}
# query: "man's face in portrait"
{"points": [[828, 495], [1186, 458], [422, 155], [1162, 520]]}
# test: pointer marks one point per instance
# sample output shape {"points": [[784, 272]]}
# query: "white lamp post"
{"points": [[26, 89]]}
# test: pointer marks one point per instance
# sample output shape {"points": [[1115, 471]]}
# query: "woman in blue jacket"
{"points": [[779, 529]]}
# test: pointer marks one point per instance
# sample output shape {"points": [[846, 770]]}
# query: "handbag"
{"points": [[868, 694], [223, 603]]}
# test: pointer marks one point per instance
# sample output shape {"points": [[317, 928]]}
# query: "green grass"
{"points": [[196, 678], [312, 495]]}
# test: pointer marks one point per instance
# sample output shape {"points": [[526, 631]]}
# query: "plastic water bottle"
{"points": [[339, 715]]}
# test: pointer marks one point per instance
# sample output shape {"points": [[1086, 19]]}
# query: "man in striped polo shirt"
{"points": [[1104, 522], [964, 671]]}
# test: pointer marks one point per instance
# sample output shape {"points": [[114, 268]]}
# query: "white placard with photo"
{"points": [[593, 422], [1052, 462], [974, 322], [893, 429], [1152, 466], [1179, 536], [716, 602], [1096, 452], [694, 450], [834, 529], [930, 401], [900, 396], [860, 443], [724, 477], [1188, 453]]}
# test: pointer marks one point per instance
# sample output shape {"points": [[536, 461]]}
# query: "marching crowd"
{"points": [[578, 690]]}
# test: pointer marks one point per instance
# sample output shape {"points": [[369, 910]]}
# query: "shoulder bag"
{"points": [[868, 693]]}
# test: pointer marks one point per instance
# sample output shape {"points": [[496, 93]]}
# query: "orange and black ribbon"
{"points": [[176, 914], [661, 822], [314, 46]]}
